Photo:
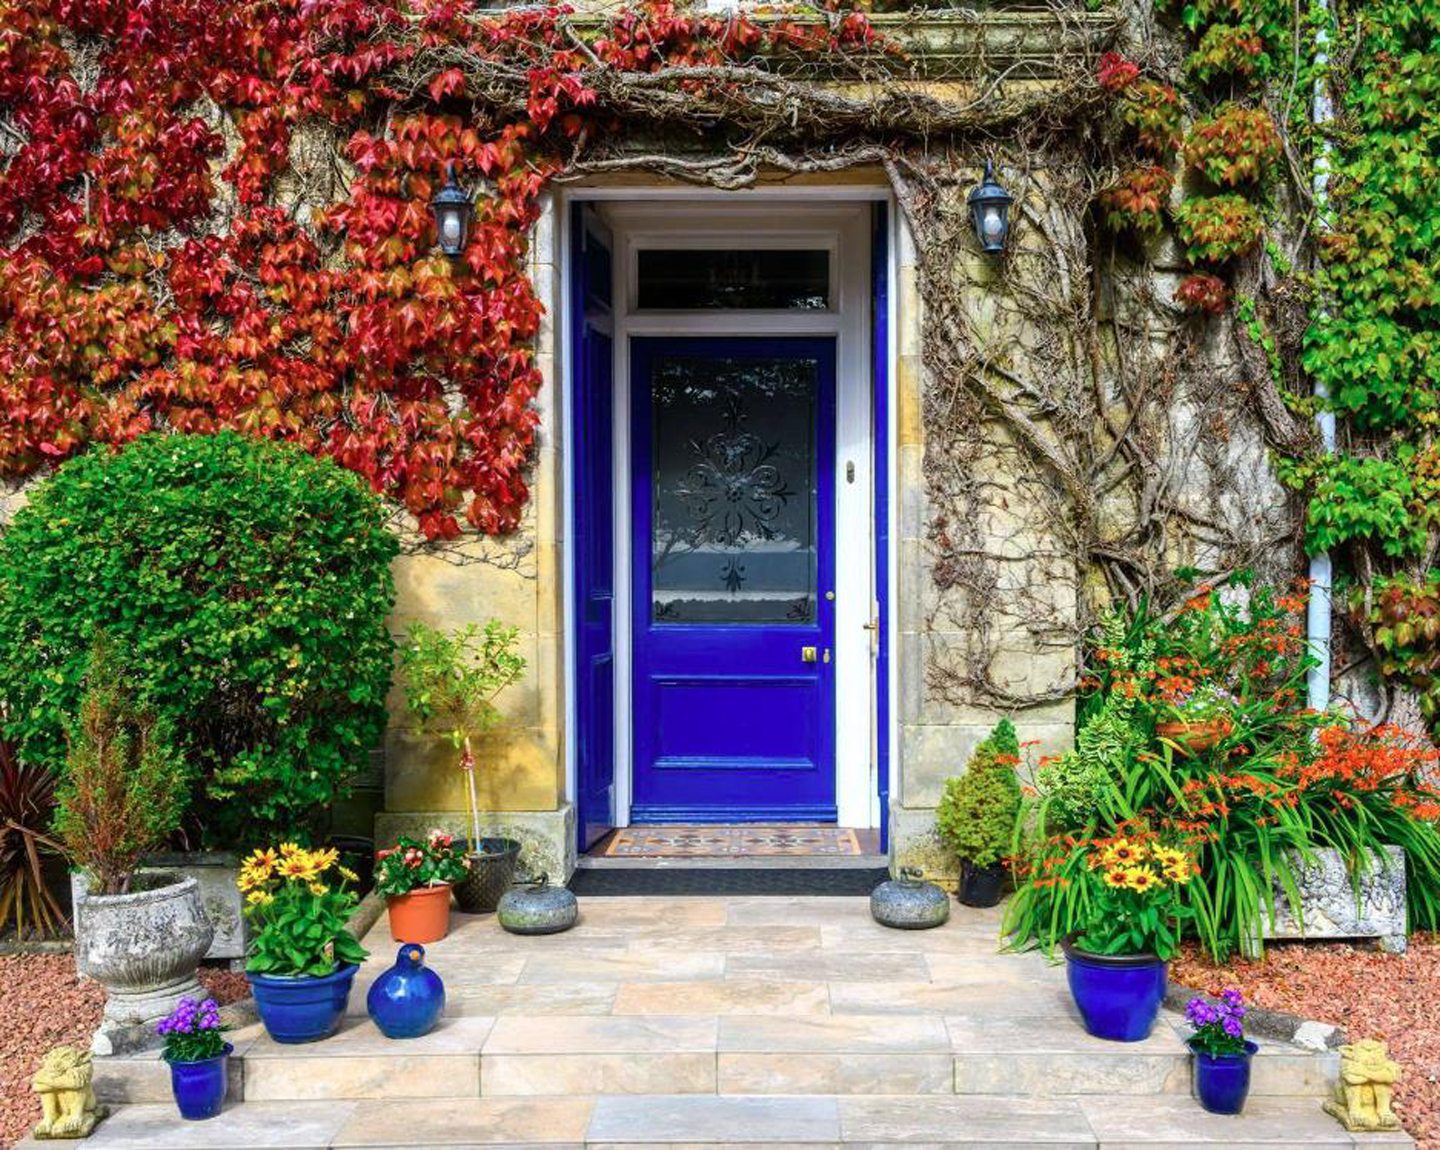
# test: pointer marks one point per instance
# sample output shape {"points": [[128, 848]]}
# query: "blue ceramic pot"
{"points": [[1222, 1081], [408, 999], [199, 1087], [302, 1008], [1118, 996]]}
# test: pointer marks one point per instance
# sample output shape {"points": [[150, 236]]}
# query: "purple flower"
{"points": [[1232, 1027]]}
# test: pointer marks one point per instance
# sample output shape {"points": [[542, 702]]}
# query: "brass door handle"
{"points": [[808, 654]]}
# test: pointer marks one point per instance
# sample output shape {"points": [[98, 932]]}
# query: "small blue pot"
{"points": [[1118, 996], [408, 999], [199, 1087], [304, 1008], [1222, 1081]]}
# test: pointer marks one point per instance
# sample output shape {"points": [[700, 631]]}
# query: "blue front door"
{"points": [[732, 613]]}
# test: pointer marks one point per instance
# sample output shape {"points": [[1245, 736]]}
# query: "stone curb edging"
{"points": [[1278, 1025]]}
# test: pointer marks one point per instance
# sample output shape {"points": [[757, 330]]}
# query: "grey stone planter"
{"points": [[1329, 907], [143, 948], [216, 873]]}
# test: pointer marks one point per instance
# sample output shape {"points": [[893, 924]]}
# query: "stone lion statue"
{"points": [[1366, 1087], [67, 1096]]}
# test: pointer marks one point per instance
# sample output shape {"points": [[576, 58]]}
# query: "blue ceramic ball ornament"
{"points": [[408, 999]]}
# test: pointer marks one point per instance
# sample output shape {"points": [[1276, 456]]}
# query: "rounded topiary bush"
{"points": [[245, 585]]}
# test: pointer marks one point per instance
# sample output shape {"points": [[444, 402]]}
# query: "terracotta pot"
{"points": [[422, 915], [1192, 737]]}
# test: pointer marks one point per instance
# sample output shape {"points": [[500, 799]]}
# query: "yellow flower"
{"points": [[288, 850], [1139, 879], [319, 888], [1180, 873], [325, 859], [259, 898], [297, 866], [347, 874], [1123, 852], [1115, 879]]}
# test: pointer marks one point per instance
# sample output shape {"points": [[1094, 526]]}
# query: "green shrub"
{"points": [[246, 584], [125, 786], [977, 812]]}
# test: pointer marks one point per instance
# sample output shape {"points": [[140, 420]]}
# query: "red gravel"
{"points": [[43, 1004], [1371, 995]]}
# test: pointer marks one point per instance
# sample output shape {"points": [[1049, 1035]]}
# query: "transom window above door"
{"points": [[728, 279]]}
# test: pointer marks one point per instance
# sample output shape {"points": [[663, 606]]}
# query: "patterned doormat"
{"points": [[745, 841]]}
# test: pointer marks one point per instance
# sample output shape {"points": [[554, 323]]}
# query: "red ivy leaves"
{"points": [[150, 276], [1202, 292]]}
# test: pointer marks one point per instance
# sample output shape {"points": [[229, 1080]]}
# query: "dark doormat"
{"points": [[616, 881]]}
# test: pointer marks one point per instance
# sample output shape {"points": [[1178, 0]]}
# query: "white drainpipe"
{"points": [[1318, 614]]}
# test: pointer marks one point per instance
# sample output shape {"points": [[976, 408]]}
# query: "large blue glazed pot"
{"points": [[1118, 996], [408, 999], [199, 1087], [1222, 1081], [302, 1008]]}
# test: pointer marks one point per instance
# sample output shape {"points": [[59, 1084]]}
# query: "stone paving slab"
{"points": [[778, 1123]]}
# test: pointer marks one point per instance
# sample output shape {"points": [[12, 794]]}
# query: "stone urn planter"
{"points": [[143, 948]]}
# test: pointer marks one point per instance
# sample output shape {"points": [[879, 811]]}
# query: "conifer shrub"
{"points": [[977, 812]]}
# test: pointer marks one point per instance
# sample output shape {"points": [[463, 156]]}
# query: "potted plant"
{"points": [[977, 812], [415, 878], [123, 789], [199, 1057], [1116, 962], [452, 680], [302, 961], [1221, 1052], [1197, 720]]}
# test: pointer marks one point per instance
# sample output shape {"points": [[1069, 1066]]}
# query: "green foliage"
{"points": [[1155, 114], [453, 678], [1229, 50], [298, 912], [247, 583], [1216, 229], [1403, 614], [977, 812], [1135, 906], [1137, 200], [1234, 145], [1282, 783], [411, 864], [1359, 499], [124, 786]]}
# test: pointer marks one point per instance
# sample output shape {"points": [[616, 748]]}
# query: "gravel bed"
{"points": [[1395, 998], [43, 1004]]}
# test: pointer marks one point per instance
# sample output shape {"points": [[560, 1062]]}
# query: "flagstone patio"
{"points": [[712, 1021]]}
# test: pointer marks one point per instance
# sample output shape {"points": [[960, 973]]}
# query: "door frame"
{"points": [[839, 219]]}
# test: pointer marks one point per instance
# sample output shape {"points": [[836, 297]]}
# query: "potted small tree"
{"points": [[1221, 1052], [1116, 964], [140, 935], [416, 878], [977, 813], [452, 680], [302, 961], [199, 1057]]}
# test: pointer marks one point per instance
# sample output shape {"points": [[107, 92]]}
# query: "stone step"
{"points": [[672, 1122], [732, 1054]]}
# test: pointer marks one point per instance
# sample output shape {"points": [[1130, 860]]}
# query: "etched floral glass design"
{"points": [[734, 489]]}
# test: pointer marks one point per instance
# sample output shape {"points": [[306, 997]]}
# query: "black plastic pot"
{"points": [[492, 871], [981, 885]]}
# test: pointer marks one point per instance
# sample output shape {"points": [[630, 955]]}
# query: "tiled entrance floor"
{"points": [[783, 1022], [751, 841]]}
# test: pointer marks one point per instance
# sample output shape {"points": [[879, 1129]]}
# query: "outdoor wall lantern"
{"points": [[452, 210], [990, 210]]}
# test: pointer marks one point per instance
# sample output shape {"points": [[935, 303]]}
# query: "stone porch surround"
{"points": [[792, 1022]]}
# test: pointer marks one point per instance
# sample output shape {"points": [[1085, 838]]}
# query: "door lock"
{"points": [[808, 654]]}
